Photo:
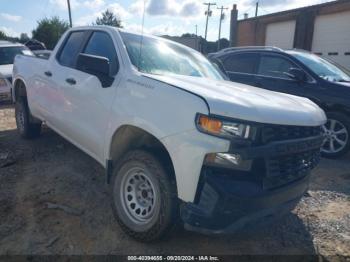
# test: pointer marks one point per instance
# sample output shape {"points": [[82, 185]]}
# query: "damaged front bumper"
{"points": [[270, 182]]}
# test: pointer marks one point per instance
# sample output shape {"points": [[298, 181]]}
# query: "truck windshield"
{"points": [[7, 54], [162, 57], [323, 68]]}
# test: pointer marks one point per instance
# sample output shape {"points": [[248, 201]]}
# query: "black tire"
{"points": [[165, 210], [344, 123], [25, 126]]}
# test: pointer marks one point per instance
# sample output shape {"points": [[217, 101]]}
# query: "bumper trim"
{"points": [[224, 207], [267, 215]]}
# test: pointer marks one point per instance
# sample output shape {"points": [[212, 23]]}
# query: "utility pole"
{"points": [[256, 8], [208, 14], [70, 14], [222, 17], [197, 45]]}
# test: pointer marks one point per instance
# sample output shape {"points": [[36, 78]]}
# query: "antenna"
{"points": [[141, 40], [70, 14]]}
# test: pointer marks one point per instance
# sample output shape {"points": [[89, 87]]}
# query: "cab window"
{"points": [[101, 44], [275, 66], [241, 63], [69, 53]]}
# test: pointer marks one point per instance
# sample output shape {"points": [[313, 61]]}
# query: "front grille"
{"points": [[272, 133], [284, 169]]}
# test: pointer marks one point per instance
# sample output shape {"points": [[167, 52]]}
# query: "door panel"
{"points": [[280, 34], [86, 109], [331, 37]]}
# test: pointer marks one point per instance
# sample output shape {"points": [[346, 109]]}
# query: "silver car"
{"points": [[8, 51]]}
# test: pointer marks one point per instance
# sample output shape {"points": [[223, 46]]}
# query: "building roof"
{"points": [[330, 3]]}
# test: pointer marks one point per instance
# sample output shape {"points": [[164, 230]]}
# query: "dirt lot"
{"points": [[53, 200]]}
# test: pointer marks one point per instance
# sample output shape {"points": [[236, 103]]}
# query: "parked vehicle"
{"points": [[42, 53], [300, 73], [35, 45], [8, 51], [175, 139]]}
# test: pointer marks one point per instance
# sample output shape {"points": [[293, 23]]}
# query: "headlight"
{"points": [[3, 82], [223, 128]]}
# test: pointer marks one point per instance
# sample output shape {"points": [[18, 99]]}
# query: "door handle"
{"points": [[71, 81], [48, 73]]}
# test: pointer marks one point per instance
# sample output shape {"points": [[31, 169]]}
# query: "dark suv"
{"points": [[300, 73]]}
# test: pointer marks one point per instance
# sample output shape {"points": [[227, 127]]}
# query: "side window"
{"points": [[101, 44], [241, 63], [274, 66], [71, 49]]}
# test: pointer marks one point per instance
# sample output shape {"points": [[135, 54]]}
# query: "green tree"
{"points": [[49, 31], [109, 18], [2, 35], [188, 35], [23, 38]]}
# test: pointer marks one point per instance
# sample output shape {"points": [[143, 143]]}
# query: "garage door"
{"points": [[332, 37], [280, 34]]}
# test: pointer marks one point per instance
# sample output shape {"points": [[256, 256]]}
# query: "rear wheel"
{"points": [[144, 197], [337, 131], [24, 122]]}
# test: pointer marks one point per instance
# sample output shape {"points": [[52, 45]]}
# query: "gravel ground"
{"points": [[53, 200]]}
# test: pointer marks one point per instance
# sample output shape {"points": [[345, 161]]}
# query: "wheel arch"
{"points": [[19, 89], [129, 137]]}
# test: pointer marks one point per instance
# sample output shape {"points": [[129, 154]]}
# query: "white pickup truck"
{"points": [[178, 142]]}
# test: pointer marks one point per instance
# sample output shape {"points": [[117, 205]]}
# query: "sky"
{"points": [[171, 17]]}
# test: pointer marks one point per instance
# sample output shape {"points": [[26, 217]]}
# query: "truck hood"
{"points": [[249, 103], [6, 70]]}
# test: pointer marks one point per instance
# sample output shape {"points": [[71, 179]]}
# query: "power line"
{"points": [[208, 14]]}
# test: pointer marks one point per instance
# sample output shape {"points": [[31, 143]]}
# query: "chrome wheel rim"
{"points": [[20, 119], [336, 137], [138, 195]]}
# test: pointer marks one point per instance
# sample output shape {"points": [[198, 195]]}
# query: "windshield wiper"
{"points": [[343, 81]]}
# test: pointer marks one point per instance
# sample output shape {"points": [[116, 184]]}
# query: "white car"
{"points": [[176, 139], [8, 51]]}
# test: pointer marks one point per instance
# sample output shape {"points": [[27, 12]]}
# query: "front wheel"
{"points": [[336, 131], [144, 196]]}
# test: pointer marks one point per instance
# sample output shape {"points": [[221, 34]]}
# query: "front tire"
{"points": [[337, 135], [144, 197], [26, 128]]}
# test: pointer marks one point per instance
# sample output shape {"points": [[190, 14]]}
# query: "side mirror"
{"points": [[296, 74], [96, 65]]}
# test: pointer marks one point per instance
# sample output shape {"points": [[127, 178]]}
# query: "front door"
{"points": [[272, 74], [87, 104]]}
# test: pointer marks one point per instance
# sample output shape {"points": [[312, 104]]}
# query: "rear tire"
{"points": [[144, 197], [25, 126], [337, 133]]}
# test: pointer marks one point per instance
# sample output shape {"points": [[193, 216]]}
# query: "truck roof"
{"points": [[122, 30]]}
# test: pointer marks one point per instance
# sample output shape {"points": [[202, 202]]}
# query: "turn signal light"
{"points": [[209, 124]]}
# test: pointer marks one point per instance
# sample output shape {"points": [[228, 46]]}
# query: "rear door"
{"points": [[241, 67]]}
